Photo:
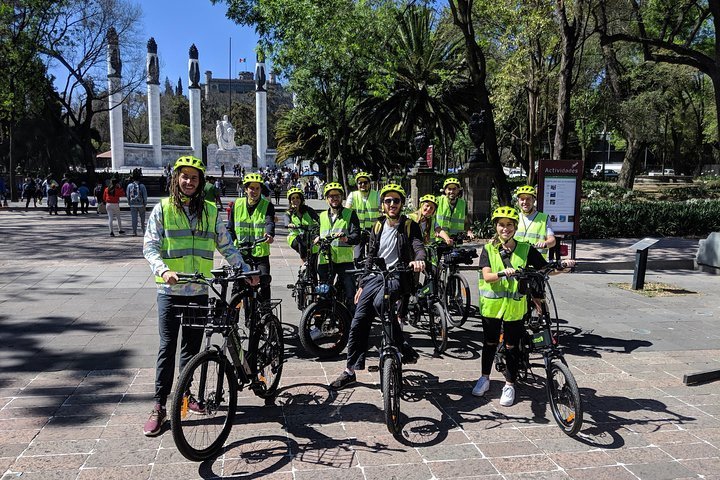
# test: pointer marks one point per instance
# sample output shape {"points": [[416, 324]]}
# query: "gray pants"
{"points": [[134, 212]]}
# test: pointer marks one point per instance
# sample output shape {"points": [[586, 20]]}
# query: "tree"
{"points": [[682, 32]]}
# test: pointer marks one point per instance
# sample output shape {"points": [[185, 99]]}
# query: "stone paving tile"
{"points": [[472, 468], [691, 451], [508, 449], [601, 473], [661, 471], [524, 464], [47, 463], [400, 472], [115, 473]]}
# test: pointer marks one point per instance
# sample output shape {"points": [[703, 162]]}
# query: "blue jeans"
{"points": [[169, 327]]}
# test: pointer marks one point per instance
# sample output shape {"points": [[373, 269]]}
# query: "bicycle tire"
{"points": [[333, 323], [266, 349], [457, 299], [565, 401], [391, 379], [199, 436], [438, 324]]}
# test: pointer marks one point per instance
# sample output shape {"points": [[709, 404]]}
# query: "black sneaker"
{"points": [[343, 380]]}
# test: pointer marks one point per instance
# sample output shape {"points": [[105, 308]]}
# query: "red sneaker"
{"points": [[154, 423]]}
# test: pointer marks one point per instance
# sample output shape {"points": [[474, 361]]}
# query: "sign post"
{"points": [[559, 192], [429, 156]]}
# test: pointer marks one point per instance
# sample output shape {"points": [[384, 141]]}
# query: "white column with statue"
{"points": [[153, 89], [194, 97], [114, 68], [261, 110]]}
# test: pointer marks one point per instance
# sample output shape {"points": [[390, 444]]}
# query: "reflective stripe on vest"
{"points": [[249, 228], [183, 249], [536, 231], [341, 252], [367, 209], [501, 299], [452, 222]]}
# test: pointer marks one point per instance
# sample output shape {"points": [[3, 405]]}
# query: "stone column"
{"points": [[194, 96], [476, 181], [117, 143], [421, 183], [153, 94], [260, 111]]}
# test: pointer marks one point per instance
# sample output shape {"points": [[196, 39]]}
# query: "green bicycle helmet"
{"points": [[393, 187], [361, 175], [333, 186], [450, 181], [252, 178], [506, 212], [429, 198], [295, 190], [189, 161], [526, 190]]}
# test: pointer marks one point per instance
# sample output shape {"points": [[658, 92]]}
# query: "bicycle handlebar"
{"points": [[227, 273], [530, 272]]}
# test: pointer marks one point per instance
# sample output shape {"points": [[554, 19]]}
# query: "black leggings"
{"points": [[512, 333]]}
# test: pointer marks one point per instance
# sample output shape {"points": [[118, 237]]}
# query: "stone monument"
{"points": [[421, 176], [226, 152]]}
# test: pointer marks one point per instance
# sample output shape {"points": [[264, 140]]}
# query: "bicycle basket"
{"points": [[461, 255], [193, 315]]}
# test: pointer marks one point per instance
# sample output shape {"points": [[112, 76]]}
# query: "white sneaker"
{"points": [[482, 386], [316, 334], [508, 396]]}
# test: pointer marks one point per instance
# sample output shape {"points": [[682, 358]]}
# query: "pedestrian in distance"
{"points": [[184, 230], [98, 194], [65, 191], [534, 226], [111, 198], [84, 192], [503, 302], [396, 239], [137, 200], [28, 192], [52, 198], [74, 200]]}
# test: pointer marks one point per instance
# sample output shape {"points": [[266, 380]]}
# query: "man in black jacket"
{"points": [[395, 238]]}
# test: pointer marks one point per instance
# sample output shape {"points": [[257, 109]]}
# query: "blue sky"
{"points": [[177, 24]]}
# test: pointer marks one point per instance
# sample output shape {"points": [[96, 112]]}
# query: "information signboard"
{"points": [[560, 189]]}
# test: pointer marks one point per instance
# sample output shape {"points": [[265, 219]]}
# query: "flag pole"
{"points": [[230, 79]]}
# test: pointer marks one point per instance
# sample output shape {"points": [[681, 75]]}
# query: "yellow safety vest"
{"points": [[183, 249], [249, 228], [367, 209], [502, 299], [535, 231], [293, 233], [452, 222], [341, 252]]}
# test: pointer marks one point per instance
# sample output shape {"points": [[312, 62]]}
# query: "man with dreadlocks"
{"points": [[182, 235]]}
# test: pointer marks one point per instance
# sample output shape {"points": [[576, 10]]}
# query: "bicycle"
{"points": [[560, 384], [303, 290], [428, 303], [325, 323], [390, 363], [454, 288], [201, 423]]}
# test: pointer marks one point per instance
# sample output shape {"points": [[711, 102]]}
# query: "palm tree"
{"points": [[424, 93]]}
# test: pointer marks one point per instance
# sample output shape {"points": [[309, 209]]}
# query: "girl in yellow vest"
{"points": [[502, 304], [425, 217], [299, 214]]}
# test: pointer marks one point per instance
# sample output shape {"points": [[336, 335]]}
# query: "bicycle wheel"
{"points": [[391, 380], [324, 329], [438, 322], [564, 397], [267, 349], [211, 379], [457, 299]]}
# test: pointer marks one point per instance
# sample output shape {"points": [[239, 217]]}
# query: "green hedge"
{"points": [[632, 219]]}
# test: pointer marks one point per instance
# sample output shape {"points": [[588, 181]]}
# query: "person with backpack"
{"points": [[98, 193], [137, 199], [28, 192], [397, 240], [84, 192]]}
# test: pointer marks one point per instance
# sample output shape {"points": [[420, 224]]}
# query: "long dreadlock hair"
{"points": [[196, 205]]}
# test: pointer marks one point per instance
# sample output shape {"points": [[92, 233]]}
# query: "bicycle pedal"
{"points": [[373, 369], [290, 286]]}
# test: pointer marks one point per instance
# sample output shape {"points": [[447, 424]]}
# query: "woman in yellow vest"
{"points": [[425, 217], [299, 214], [182, 235], [502, 304]]}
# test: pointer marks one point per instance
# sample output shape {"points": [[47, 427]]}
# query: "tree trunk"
{"points": [[632, 157], [11, 140]]}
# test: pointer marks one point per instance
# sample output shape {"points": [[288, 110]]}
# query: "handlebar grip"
{"points": [[186, 276], [501, 274]]}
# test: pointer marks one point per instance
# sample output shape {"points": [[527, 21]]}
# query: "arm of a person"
{"points": [[270, 221], [484, 264], [225, 245], [152, 242], [353, 234], [314, 215], [550, 239], [231, 221], [439, 232]]}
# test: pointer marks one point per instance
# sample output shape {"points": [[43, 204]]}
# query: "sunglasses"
{"points": [[363, 183], [391, 201]]}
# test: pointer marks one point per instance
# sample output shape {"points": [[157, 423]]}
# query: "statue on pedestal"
{"points": [[225, 134], [420, 143], [476, 131]]}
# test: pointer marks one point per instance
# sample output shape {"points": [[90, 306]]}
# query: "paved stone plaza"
{"points": [[78, 343]]}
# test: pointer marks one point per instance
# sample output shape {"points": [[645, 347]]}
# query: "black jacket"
{"points": [[411, 247]]}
